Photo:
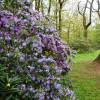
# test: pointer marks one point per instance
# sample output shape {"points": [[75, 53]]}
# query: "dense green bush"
{"points": [[80, 45], [32, 57], [96, 37]]}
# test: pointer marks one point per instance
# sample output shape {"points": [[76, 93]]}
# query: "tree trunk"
{"points": [[42, 7], [85, 33], [60, 20], [49, 9], [68, 33], [37, 5], [56, 14]]}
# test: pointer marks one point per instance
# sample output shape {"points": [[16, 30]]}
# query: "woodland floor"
{"points": [[85, 77]]}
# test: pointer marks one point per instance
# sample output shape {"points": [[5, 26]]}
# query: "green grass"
{"points": [[85, 77], [86, 56]]}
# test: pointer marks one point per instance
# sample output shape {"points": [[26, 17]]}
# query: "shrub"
{"points": [[96, 37], [81, 45], [32, 58]]}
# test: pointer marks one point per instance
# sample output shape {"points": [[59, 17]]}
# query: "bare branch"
{"points": [[85, 6], [86, 23], [94, 9], [79, 9], [90, 16]]}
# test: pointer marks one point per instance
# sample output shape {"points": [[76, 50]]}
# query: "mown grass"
{"points": [[85, 77], [86, 57]]}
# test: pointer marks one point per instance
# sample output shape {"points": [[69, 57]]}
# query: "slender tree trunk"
{"points": [[68, 34], [42, 7], [86, 23], [37, 5], [85, 33], [49, 9], [60, 19], [98, 11], [56, 14]]}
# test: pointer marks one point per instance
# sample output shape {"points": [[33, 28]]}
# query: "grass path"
{"points": [[85, 77]]}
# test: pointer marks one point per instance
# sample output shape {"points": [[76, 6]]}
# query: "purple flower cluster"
{"points": [[34, 51]]}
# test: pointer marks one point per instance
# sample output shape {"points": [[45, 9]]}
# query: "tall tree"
{"points": [[98, 10], [42, 6], [83, 13], [37, 4], [49, 8], [61, 4], [56, 13]]}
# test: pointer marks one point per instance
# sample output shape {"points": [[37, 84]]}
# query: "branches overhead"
{"points": [[89, 6], [61, 3], [98, 9], [86, 24], [49, 7]]}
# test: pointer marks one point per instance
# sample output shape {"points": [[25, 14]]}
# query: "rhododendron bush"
{"points": [[33, 60]]}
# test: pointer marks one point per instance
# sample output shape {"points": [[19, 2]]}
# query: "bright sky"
{"points": [[71, 6]]}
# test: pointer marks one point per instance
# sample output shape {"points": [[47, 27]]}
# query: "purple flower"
{"points": [[19, 70], [24, 44], [57, 85], [22, 87], [0, 34], [4, 21], [39, 49], [52, 30], [42, 60], [33, 78], [1, 50], [41, 97], [46, 67], [38, 55], [26, 8], [22, 58], [17, 30], [31, 68], [69, 93], [16, 19], [8, 38]]}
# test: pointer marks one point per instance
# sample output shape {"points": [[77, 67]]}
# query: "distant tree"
{"points": [[83, 13], [37, 4], [49, 8], [42, 7], [56, 15], [61, 4], [98, 10]]}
